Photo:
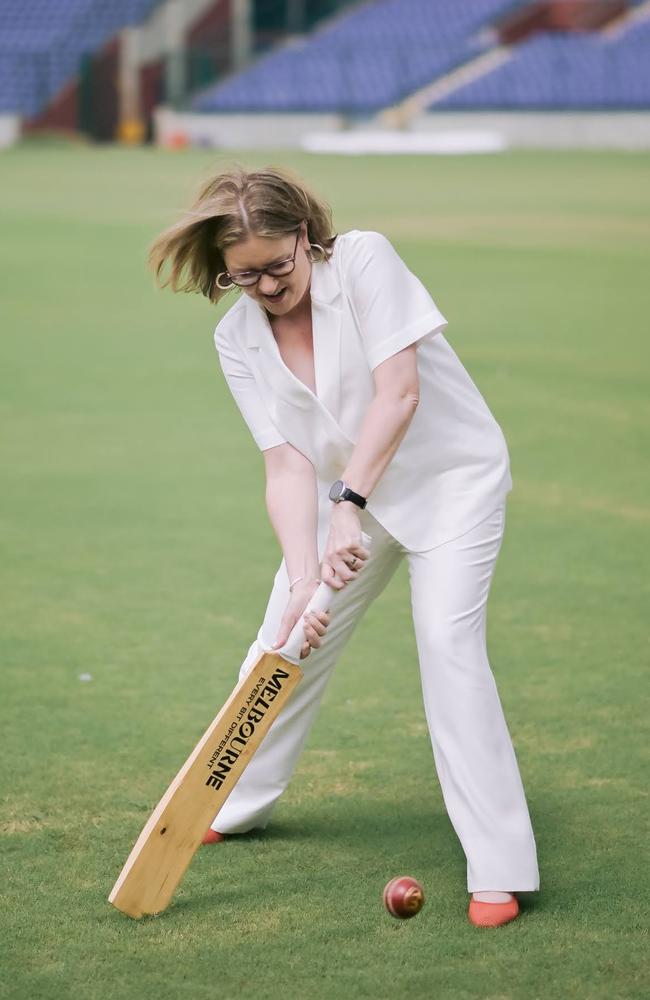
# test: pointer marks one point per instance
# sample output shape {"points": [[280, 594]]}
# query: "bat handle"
{"points": [[321, 600]]}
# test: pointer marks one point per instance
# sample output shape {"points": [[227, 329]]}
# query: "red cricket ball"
{"points": [[403, 897]]}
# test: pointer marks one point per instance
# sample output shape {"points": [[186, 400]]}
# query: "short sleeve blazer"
{"points": [[450, 470]]}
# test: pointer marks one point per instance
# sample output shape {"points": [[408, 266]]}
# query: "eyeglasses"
{"points": [[246, 278]]}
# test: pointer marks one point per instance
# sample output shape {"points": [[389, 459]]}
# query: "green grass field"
{"points": [[136, 548]]}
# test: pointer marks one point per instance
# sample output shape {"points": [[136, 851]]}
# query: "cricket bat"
{"points": [[173, 833]]}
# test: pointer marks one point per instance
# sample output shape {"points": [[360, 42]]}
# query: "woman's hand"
{"points": [[315, 624], [345, 555]]}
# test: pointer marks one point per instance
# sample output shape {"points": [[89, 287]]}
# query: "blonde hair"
{"points": [[230, 206]]}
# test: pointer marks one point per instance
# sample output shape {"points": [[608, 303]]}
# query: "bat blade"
{"points": [[173, 833]]}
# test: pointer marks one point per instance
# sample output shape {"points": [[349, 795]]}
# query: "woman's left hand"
{"points": [[345, 555]]}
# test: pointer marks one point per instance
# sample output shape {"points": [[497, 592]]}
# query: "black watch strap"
{"points": [[345, 493]]}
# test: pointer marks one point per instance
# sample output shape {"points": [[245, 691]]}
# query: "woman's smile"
{"points": [[277, 297]]}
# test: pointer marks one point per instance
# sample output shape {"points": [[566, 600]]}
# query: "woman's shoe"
{"points": [[492, 914], [213, 836]]}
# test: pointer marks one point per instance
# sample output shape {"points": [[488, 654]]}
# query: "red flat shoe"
{"points": [[492, 914], [213, 836]]}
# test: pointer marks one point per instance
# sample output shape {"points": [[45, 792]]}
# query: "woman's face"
{"points": [[278, 295]]}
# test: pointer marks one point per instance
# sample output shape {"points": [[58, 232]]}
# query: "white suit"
{"points": [[440, 503]]}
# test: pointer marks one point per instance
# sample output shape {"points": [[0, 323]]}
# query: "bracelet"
{"points": [[298, 579]]}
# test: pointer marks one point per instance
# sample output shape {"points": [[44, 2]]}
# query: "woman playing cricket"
{"points": [[367, 421]]}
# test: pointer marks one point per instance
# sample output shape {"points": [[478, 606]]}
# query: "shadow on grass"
{"points": [[372, 842], [322, 845]]}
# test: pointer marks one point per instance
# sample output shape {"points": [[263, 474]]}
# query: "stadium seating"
{"points": [[358, 63], [361, 61], [566, 72], [42, 42]]}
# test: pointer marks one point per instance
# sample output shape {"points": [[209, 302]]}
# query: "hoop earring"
{"points": [[321, 256], [224, 288]]}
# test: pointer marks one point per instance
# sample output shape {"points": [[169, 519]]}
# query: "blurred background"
{"points": [[379, 75], [504, 149]]}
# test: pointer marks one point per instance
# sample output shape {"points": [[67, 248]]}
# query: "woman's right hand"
{"points": [[315, 624]]}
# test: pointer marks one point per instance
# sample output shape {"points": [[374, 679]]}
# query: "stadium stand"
{"points": [[361, 61], [60, 59], [42, 42], [565, 72]]}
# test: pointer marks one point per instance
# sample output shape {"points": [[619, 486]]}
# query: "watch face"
{"points": [[336, 489]]}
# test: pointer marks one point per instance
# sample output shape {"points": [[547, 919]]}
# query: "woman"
{"points": [[367, 420]]}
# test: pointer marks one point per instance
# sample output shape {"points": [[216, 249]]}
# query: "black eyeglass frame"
{"points": [[260, 271]]}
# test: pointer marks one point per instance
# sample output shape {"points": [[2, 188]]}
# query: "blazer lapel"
{"points": [[314, 429], [266, 360], [326, 331], [326, 321]]}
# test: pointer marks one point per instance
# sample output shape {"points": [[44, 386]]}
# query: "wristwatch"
{"points": [[341, 491]]}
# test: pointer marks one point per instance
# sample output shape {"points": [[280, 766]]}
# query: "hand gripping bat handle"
{"points": [[324, 599]]}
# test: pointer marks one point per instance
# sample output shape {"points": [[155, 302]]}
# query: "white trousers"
{"points": [[474, 757]]}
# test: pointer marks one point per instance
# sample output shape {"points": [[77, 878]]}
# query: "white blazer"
{"points": [[451, 469]]}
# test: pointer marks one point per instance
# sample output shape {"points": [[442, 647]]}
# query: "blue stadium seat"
{"points": [[42, 42], [361, 61], [568, 71]]}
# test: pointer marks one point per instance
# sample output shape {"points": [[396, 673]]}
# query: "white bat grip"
{"points": [[320, 601]]}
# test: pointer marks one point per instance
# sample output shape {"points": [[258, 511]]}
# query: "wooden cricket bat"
{"points": [[173, 833]]}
